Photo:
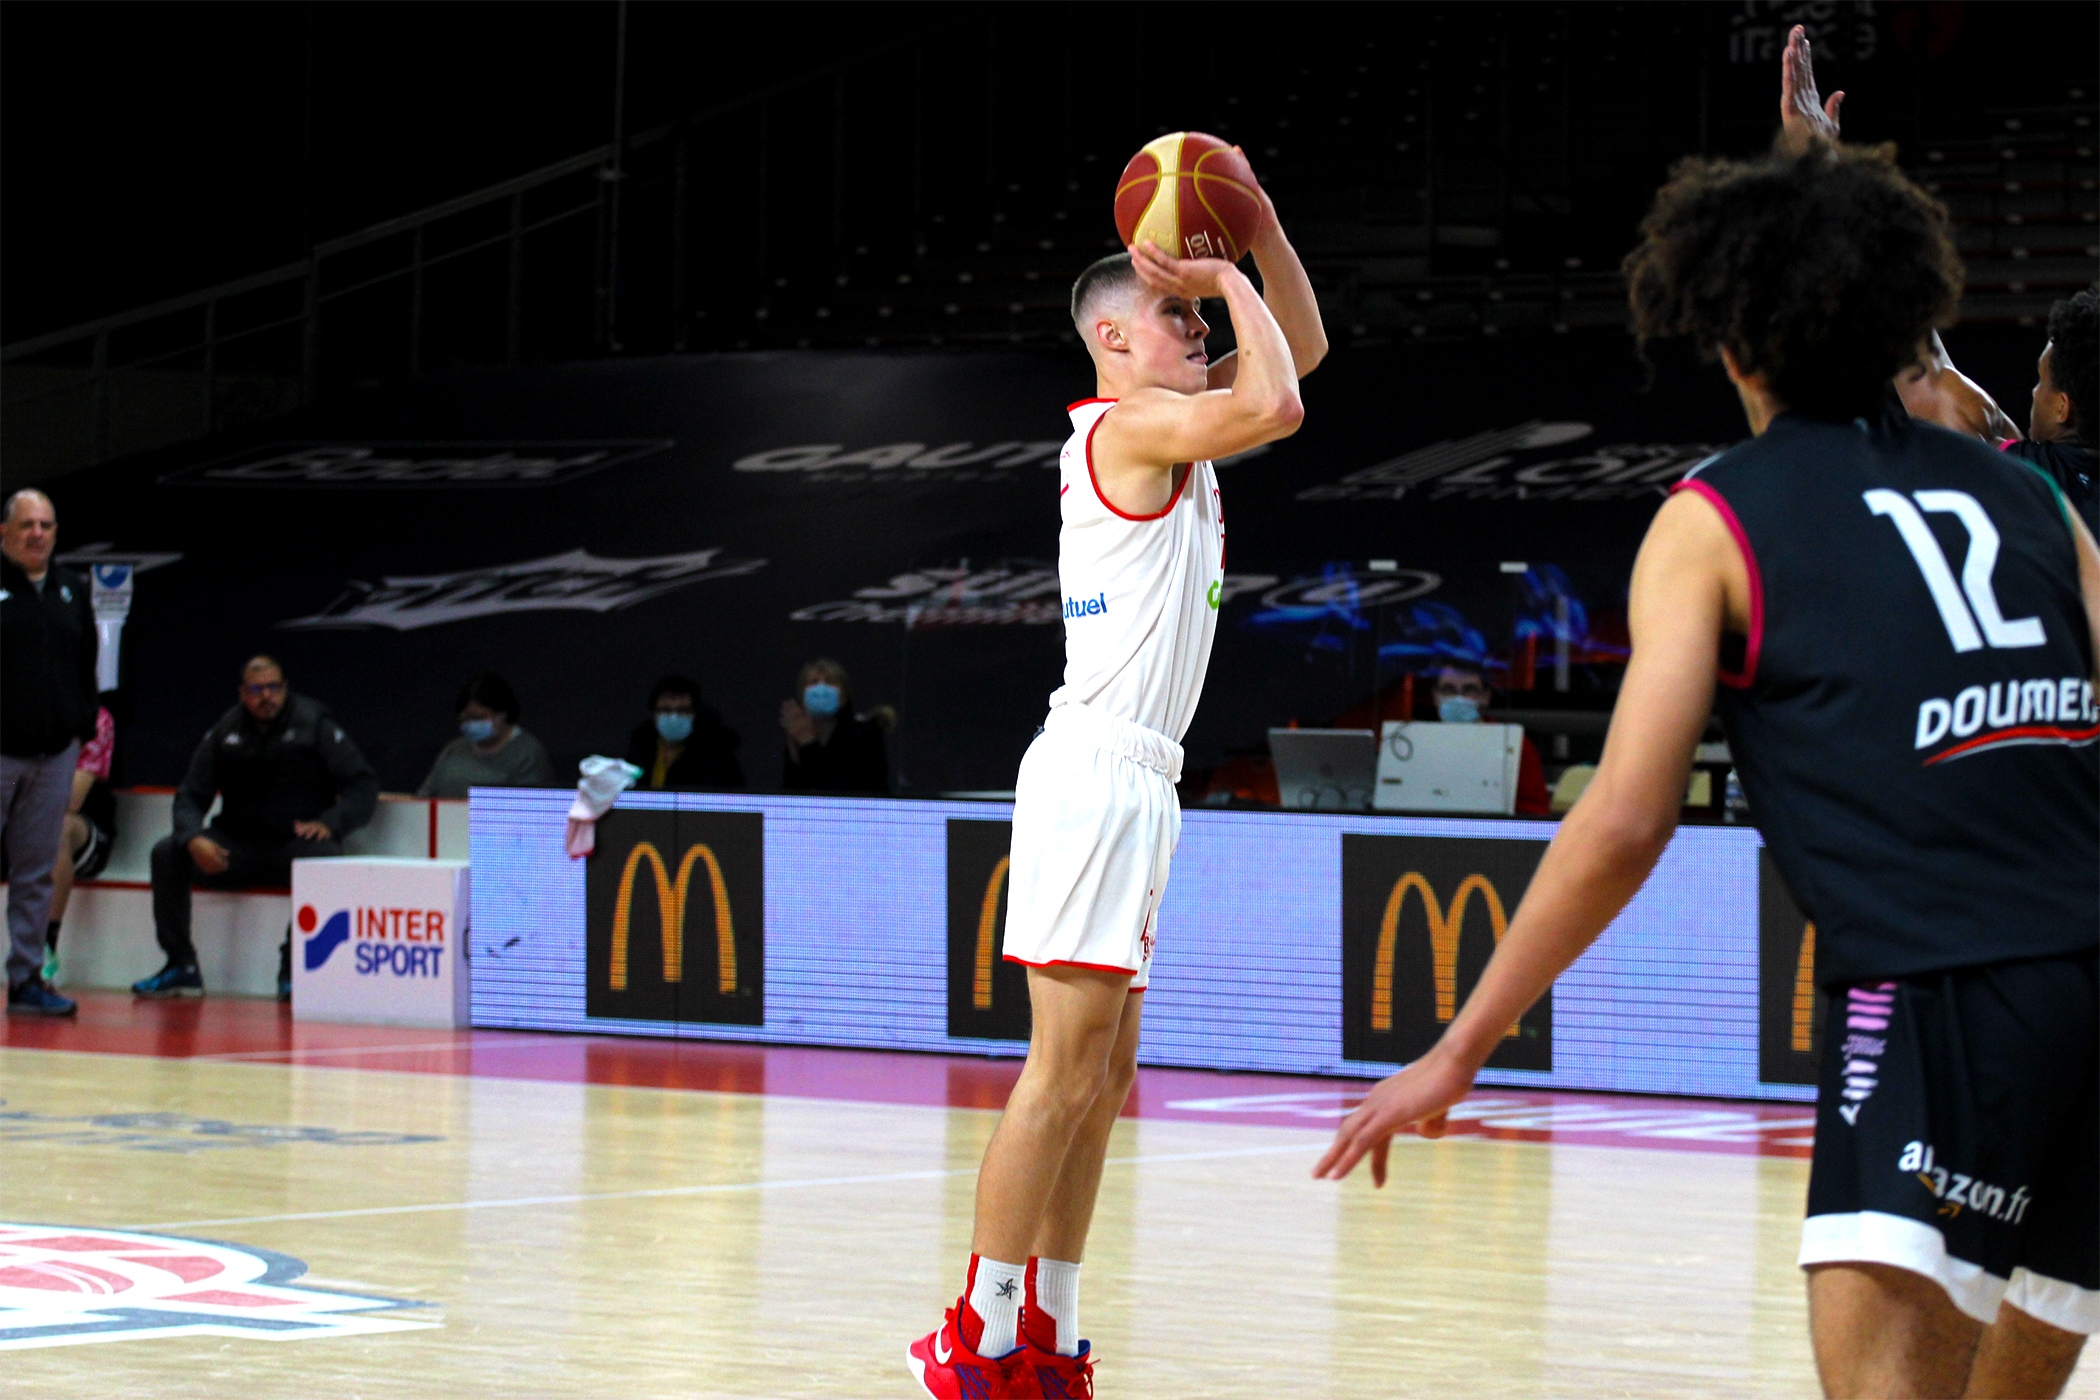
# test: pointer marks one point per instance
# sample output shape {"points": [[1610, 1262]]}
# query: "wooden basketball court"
{"points": [[530, 1215]]}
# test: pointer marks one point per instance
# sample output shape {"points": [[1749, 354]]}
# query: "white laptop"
{"points": [[1324, 770], [1438, 767]]}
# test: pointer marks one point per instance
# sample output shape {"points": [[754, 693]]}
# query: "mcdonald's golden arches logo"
{"points": [[1421, 916], [1443, 943], [701, 873], [987, 929], [1789, 1006], [671, 906], [987, 996]]}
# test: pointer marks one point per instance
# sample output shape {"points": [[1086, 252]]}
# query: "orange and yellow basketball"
{"points": [[1191, 196]]}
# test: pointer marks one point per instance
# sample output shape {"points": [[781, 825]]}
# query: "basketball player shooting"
{"points": [[1902, 625], [1141, 557]]}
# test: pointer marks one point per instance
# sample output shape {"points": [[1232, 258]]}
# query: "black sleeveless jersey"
{"points": [[1912, 712]]}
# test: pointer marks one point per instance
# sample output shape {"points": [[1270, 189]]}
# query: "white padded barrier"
{"points": [[108, 936]]}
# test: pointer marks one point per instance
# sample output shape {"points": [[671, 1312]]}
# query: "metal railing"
{"points": [[63, 392]]}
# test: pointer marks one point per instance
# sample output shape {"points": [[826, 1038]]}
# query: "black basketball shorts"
{"points": [[1958, 1135]]}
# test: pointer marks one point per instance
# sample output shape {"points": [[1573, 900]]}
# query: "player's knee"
{"points": [[1122, 1066], [1067, 1097], [1117, 1083]]}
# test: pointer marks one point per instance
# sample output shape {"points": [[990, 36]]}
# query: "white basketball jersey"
{"points": [[1141, 591]]}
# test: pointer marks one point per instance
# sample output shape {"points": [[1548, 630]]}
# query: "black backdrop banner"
{"points": [[585, 528]]}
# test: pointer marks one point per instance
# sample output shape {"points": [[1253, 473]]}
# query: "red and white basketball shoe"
{"points": [[1059, 1377], [949, 1370]]}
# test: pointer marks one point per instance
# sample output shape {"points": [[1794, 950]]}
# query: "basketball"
{"points": [[1191, 196]]}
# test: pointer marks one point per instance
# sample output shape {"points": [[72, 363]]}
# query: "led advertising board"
{"points": [[874, 916]]}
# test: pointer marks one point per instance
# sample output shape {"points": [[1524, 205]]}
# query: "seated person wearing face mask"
{"points": [[683, 746], [829, 747], [1462, 695], [491, 750]]}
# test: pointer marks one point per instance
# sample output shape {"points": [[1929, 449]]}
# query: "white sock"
{"points": [[995, 1296], [1057, 1298]]}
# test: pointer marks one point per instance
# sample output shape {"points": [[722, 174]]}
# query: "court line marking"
{"points": [[294, 1056], [713, 1188]]}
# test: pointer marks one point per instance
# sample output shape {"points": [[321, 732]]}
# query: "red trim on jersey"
{"points": [[2026, 734], [1084, 402], [1064, 962], [1188, 471], [1739, 680]]}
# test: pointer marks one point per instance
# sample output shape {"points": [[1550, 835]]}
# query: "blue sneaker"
{"points": [[171, 981], [33, 998]]}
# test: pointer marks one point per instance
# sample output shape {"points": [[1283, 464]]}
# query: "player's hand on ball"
{"points": [[1269, 222], [1194, 278], [1416, 1098]]}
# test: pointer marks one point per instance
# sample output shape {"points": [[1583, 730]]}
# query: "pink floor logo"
{"points": [[60, 1286]]}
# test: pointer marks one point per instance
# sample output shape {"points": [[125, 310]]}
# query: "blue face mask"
{"points": [[478, 731], [821, 699], [674, 728], [1457, 709]]}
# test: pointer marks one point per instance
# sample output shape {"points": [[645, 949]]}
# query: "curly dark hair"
{"points": [[2074, 360], [1820, 271]]}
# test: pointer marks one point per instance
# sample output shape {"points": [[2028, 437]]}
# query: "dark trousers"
{"points": [[252, 865]]}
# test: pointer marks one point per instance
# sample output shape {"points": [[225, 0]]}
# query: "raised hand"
{"points": [[1416, 1098], [1194, 278], [1269, 220], [795, 721], [1804, 118]]}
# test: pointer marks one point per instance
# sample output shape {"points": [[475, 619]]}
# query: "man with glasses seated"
{"points": [[293, 784]]}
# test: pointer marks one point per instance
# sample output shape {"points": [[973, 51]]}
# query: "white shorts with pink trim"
{"points": [[1096, 820]]}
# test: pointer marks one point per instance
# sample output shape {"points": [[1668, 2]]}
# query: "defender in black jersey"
{"points": [[1901, 625]]}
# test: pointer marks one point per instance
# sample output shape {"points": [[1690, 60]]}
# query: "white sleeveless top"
{"points": [[1141, 592]]}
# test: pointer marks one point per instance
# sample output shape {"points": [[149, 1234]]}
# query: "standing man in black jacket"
{"points": [[47, 708], [294, 786]]}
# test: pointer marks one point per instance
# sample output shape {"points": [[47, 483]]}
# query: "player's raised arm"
{"points": [[1155, 427], [1288, 293], [1804, 118], [1934, 391], [1688, 583]]}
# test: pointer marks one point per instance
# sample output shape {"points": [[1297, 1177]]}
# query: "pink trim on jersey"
{"points": [[1188, 470], [1074, 407], [2007, 444], [96, 753], [1739, 680], [1063, 962]]}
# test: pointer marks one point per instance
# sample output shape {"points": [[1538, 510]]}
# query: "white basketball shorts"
{"points": [[1096, 821]]}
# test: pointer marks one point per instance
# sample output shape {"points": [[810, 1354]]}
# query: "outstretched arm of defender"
{"points": [[1159, 427], [1804, 118], [1688, 582], [1934, 391]]}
